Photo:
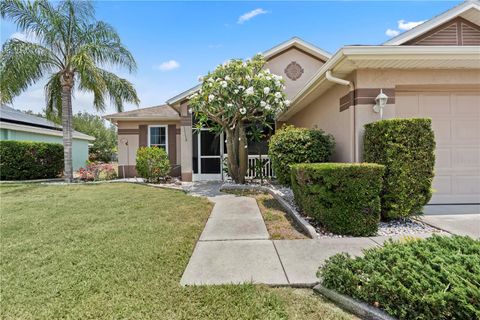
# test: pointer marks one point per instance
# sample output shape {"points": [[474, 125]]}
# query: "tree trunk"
{"points": [[67, 85], [237, 153], [232, 148], [242, 153]]}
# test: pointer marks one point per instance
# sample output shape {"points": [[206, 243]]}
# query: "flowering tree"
{"points": [[233, 96]]}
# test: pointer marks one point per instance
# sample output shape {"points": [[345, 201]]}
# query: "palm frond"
{"points": [[90, 78], [53, 96], [32, 17], [21, 64], [102, 43], [119, 90]]}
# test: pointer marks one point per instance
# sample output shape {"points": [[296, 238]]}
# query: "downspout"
{"points": [[343, 82]]}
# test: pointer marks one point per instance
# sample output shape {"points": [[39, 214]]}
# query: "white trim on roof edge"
{"points": [[432, 23], [351, 52], [310, 48], [49, 132], [302, 44]]}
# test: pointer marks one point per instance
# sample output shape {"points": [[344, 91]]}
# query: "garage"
{"points": [[456, 122]]}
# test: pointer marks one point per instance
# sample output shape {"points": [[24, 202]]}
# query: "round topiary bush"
{"points": [[152, 163], [291, 145]]}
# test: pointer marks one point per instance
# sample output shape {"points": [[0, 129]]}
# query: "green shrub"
{"points": [[27, 160], [343, 197], [290, 145], [436, 278], [152, 163], [406, 148]]}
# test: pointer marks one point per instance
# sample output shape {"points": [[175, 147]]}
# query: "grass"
{"points": [[117, 251]]}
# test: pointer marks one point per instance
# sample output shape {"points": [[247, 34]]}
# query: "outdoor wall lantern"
{"points": [[380, 103]]}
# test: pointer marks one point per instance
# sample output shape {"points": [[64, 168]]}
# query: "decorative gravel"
{"points": [[402, 226]]}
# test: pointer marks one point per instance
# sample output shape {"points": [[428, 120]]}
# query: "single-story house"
{"points": [[432, 70], [17, 125]]}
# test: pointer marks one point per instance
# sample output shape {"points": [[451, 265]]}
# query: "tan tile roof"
{"points": [[156, 112]]}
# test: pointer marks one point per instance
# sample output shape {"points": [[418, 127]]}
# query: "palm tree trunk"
{"points": [[67, 115]]}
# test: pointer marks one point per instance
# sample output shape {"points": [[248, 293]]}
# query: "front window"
{"points": [[157, 137]]}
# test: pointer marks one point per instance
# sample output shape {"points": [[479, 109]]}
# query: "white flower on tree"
{"points": [[249, 91], [253, 96]]}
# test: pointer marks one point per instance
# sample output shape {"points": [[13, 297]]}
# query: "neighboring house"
{"points": [[16, 125], [432, 70]]}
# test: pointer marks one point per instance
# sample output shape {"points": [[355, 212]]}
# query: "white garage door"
{"points": [[456, 122]]}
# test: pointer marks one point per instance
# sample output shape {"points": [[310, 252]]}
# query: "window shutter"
{"points": [[172, 144], [143, 135]]}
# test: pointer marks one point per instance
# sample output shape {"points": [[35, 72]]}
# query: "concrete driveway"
{"points": [[461, 224]]}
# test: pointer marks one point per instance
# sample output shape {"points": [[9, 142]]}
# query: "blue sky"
{"points": [[175, 42]]}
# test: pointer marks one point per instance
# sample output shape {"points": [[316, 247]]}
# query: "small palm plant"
{"points": [[71, 49]]}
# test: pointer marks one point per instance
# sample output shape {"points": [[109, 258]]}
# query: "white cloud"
{"points": [[251, 14], [392, 33], [168, 65], [19, 36], [407, 25], [30, 37]]}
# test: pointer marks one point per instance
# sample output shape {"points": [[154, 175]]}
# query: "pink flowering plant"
{"points": [[236, 94], [97, 171]]}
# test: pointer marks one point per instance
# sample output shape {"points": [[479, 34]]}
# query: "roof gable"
{"points": [[456, 32], [299, 44], [468, 11]]}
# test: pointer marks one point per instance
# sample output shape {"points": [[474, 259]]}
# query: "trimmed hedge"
{"points": [[436, 278], [290, 145], [152, 163], [343, 197], [406, 148], [28, 160]]}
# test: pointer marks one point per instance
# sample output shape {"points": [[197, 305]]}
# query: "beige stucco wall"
{"points": [[127, 155], [417, 79], [324, 113], [309, 64], [185, 146]]}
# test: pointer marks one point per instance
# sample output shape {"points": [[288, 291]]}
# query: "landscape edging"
{"points": [[292, 212], [356, 307]]}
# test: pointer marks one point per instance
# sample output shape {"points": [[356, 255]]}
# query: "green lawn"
{"points": [[118, 251]]}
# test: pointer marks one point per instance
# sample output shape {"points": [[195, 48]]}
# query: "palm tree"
{"points": [[72, 49]]}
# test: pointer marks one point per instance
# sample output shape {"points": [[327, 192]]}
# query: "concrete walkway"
{"points": [[235, 248]]}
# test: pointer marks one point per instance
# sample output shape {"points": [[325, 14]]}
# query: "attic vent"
{"points": [[294, 71]]}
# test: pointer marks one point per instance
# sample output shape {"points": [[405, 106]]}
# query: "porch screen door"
{"points": [[207, 155]]}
